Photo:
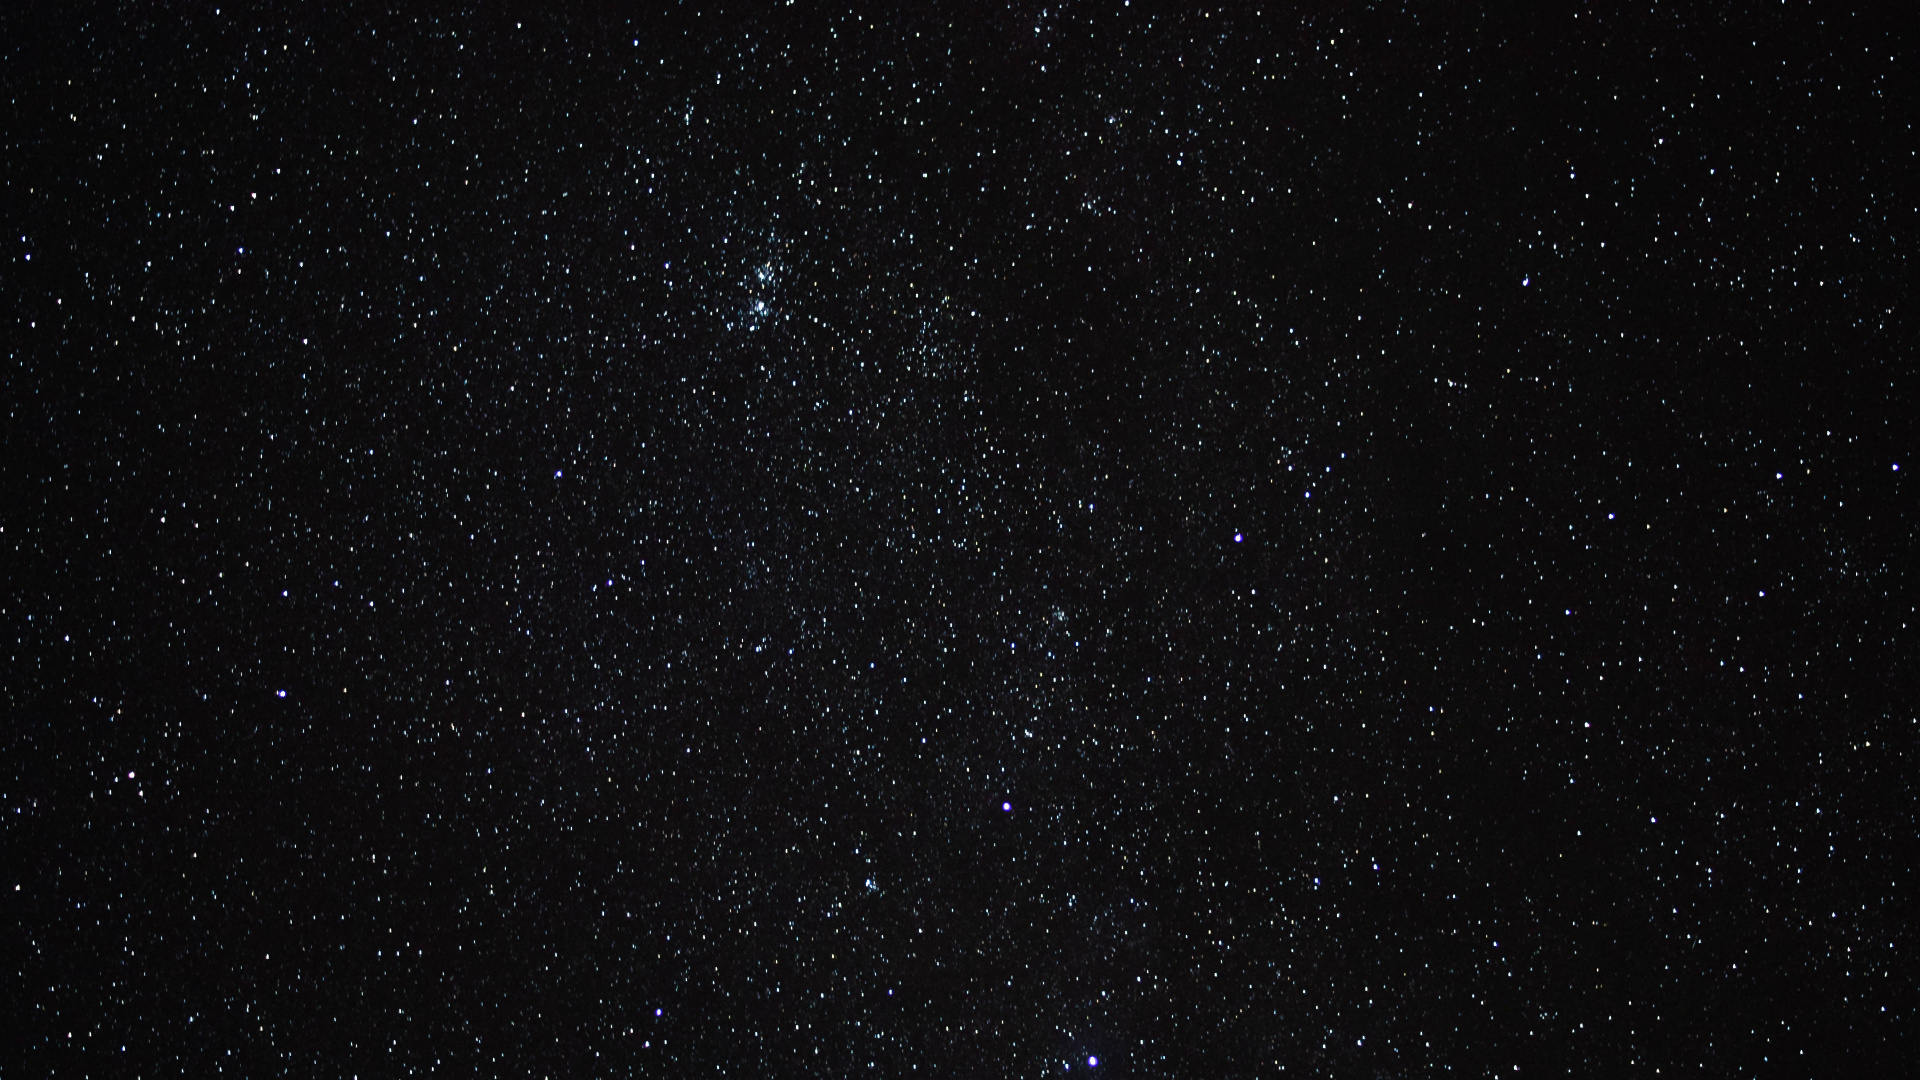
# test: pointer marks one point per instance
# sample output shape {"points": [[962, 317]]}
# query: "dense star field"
{"points": [[1135, 540]]}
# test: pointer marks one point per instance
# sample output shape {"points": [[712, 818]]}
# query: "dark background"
{"points": [[539, 542]]}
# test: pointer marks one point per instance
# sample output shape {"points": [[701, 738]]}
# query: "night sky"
{"points": [[1137, 540]]}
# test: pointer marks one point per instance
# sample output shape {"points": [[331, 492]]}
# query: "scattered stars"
{"points": [[866, 340]]}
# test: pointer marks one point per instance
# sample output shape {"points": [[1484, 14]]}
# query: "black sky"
{"points": [[1359, 540]]}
